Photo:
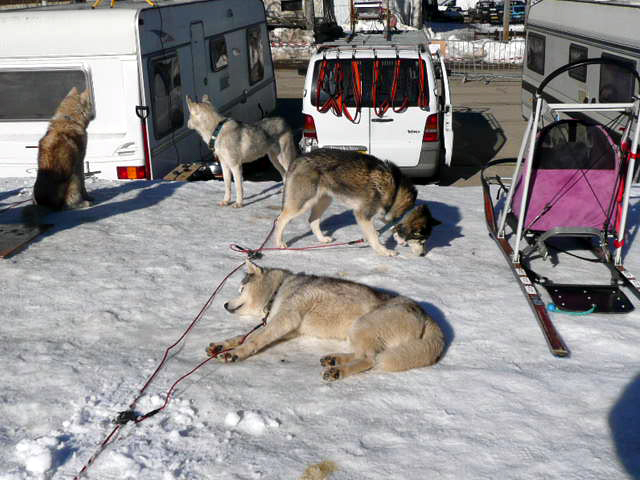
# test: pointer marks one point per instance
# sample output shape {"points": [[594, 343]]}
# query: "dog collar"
{"points": [[214, 135]]}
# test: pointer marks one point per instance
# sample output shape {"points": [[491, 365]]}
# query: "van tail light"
{"points": [[431, 129], [309, 129], [131, 173]]}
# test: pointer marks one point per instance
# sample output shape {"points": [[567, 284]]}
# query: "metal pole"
{"points": [[506, 16], [309, 14]]}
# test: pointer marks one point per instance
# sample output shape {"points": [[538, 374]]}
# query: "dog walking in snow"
{"points": [[60, 179], [236, 143], [365, 184], [386, 332]]}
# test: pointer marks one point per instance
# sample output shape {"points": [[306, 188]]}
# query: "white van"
{"points": [[389, 98], [139, 62]]}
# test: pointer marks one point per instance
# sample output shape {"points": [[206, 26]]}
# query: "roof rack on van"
{"points": [[367, 41]]}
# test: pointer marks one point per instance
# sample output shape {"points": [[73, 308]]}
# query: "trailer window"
{"points": [[616, 83], [578, 52], [166, 96], [255, 54], [339, 80], [218, 53], [35, 94], [535, 53]]}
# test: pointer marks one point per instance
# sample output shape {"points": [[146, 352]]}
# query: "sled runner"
{"points": [[569, 191], [14, 236]]}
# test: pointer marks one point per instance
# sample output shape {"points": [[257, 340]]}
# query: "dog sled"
{"points": [[569, 193]]}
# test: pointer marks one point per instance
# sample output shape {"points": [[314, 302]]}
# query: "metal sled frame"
{"points": [[497, 230]]}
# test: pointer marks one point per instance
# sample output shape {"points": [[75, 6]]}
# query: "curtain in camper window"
{"points": [[256, 54], [616, 84], [218, 53], [36, 94], [166, 93]]}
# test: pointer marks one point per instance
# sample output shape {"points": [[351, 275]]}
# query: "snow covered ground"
{"points": [[90, 307]]}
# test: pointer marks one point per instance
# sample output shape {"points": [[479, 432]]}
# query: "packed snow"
{"points": [[90, 307]]}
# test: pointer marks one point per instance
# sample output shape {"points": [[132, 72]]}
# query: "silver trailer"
{"points": [[564, 31]]}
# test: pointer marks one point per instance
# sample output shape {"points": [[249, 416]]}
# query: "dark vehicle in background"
{"points": [[452, 14], [484, 12], [517, 12]]}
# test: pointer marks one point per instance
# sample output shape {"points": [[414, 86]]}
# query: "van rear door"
{"points": [[447, 108], [399, 100], [336, 92]]}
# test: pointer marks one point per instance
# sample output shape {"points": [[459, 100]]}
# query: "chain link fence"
{"points": [[484, 59]]}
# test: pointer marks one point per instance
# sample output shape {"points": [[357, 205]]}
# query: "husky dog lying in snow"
{"points": [[386, 332], [361, 182], [236, 143]]}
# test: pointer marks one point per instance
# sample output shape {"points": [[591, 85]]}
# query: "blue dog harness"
{"points": [[214, 135]]}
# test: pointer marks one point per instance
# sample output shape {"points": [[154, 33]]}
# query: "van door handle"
{"points": [[382, 119]]}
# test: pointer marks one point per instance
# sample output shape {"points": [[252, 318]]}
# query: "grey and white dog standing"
{"points": [[386, 332], [361, 182], [236, 143]]}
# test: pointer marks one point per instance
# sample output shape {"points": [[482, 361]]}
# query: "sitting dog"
{"points": [[361, 182], [235, 143], [60, 179], [415, 229], [386, 332]]}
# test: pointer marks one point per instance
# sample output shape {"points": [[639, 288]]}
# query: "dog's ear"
{"points": [[206, 99], [189, 102], [435, 222], [253, 268], [73, 91]]}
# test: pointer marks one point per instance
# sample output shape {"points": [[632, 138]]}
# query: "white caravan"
{"points": [[387, 97], [564, 31], [139, 63]]}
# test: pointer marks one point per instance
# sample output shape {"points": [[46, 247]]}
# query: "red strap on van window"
{"points": [[394, 90], [423, 100], [334, 102], [356, 84]]}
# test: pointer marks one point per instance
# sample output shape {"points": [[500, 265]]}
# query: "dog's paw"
{"points": [[224, 203], [238, 205], [328, 361], [215, 348], [325, 239], [332, 374], [387, 253], [228, 357], [282, 245]]}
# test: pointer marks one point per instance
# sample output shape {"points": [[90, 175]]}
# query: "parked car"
{"points": [[452, 14], [517, 12], [484, 11], [389, 98]]}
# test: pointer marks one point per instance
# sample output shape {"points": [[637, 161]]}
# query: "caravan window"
{"points": [[218, 54], [256, 54], [578, 52], [616, 83], [36, 94], [535, 53], [166, 95]]}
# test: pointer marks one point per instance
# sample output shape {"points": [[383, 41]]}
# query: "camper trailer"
{"points": [[139, 62], [564, 31]]}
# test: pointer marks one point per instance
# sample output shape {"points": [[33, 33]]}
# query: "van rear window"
{"points": [[338, 76], [35, 94]]}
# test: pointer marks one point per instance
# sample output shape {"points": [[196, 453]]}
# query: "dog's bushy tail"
{"points": [[288, 149], [414, 353]]}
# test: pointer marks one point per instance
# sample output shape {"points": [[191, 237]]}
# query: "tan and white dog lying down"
{"points": [[361, 182], [386, 332]]}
